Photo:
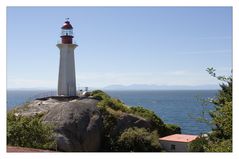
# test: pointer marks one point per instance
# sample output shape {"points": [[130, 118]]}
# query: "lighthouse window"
{"points": [[66, 32], [63, 32]]}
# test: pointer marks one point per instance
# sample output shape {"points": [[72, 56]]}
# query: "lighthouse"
{"points": [[66, 77]]}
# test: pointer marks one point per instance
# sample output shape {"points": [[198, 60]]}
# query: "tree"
{"points": [[222, 115], [220, 139]]}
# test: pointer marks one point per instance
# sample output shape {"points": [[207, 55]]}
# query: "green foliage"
{"points": [[109, 119], [100, 95], [29, 132], [222, 119], [172, 129], [198, 145], [138, 140], [222, 115], [147, 114], [212, 71], [219, 146], [220, 139], [114, 104], [109, 122], [157, 123]]}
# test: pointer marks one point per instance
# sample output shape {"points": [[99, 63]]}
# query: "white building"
{"points": [[176, 142], [66, 78]]}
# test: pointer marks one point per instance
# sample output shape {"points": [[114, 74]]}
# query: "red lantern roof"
{"points": [[67, 25]]}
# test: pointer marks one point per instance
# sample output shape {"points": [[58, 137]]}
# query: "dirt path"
{"points": [[24, 149]]}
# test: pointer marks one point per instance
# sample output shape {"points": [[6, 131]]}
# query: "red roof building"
{"points": [[176, 142], [179, 138]]}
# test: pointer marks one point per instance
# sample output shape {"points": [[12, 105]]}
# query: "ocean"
{"points": [[173, 106]]}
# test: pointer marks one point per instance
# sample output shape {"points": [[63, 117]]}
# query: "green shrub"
{"points": [[138, 140], [114, 104], [29, 132], [173, 129], [99, 95], [109, 121], [156, 122], [219, 146], [198, 145], [147, 114]]}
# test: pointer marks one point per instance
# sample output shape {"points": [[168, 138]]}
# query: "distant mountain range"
{"points": [[160, 87], [134, 87]]}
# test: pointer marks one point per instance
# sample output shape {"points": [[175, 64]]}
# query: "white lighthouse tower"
{"points": [[66, 78]]}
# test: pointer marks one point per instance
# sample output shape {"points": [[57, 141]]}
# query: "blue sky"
{"points": [[120, 45]]}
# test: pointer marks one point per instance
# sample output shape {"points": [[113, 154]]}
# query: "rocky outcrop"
{"points": [[126, 121], [78, 125], [82, 126], [77, 122]]}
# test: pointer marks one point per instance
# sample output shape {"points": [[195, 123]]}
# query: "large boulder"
{"points": [[126, 121], [78, 125], [77, 122]]}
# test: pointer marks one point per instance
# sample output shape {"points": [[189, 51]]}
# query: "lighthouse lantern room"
{"points": [[66, 77], [67, 33]]}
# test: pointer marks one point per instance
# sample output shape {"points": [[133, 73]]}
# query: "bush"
{"points": [[138, 140], [99, 95], [29, 132], [172, 129], [220, 146], [114, 104], [148, 114], [198, 145], [157, 123], [109, 121], [116, 142]]}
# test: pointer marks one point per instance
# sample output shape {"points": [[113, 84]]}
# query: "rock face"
{"points": [[126, 121], [78, 123]]}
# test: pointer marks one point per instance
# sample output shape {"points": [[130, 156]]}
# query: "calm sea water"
{"points": [[175, 107]]}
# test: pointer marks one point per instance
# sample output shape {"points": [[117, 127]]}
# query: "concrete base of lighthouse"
{"points": [[66, 78]]}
